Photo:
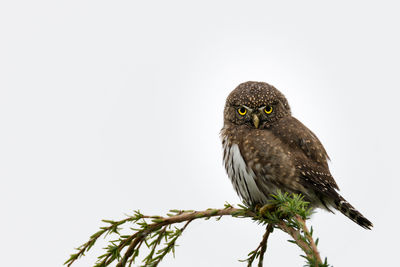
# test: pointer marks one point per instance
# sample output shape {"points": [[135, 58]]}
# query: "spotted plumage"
{"points": [[266, 149]]}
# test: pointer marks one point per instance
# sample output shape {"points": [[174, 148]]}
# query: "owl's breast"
{"points": [[258, 164], [242, 177], [269, 158]]}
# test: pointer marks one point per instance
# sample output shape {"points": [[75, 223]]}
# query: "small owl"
{"points": [[266, 149]]}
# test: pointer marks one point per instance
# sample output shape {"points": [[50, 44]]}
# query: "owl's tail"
{"points": [[347, 209]]}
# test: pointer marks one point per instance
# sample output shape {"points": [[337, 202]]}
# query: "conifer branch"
{"points": [[160, 234]]}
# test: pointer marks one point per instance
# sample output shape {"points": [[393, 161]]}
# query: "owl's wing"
{"points": [[315, 176], [304, 146]]}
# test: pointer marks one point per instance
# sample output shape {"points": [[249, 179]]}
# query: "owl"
{"points": [[266, 149]]}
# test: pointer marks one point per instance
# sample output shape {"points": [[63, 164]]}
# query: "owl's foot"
{"points": [[267, 209]]}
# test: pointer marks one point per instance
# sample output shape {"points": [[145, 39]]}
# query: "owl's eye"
{"points": [[242, 111], [268, 109]]}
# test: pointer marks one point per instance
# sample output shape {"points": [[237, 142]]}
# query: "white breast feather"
{"points": [[241, 176]]}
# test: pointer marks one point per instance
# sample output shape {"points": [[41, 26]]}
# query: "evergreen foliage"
{"points": [[159, 234]]}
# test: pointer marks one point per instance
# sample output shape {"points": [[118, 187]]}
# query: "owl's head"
{"points": [[256, 104]]}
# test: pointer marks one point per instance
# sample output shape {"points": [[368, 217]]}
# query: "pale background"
{"points": [[111, 106]]}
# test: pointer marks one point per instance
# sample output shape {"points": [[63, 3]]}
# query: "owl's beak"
{"points": [[256, 120]]}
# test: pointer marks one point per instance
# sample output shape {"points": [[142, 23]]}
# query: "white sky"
{"points": [[111, 106]]}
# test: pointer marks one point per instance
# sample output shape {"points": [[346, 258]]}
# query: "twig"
{"points": [[171, 245], [308, 246], [296, 236], [309, 238], [264, 244], [260, 250], [290, 215], [104, 230], [183, 216]]}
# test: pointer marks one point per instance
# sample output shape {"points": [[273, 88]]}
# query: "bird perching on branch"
{"points": [[266, 149]]}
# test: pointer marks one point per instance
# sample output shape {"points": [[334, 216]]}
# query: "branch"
{"points": [[260, 250], [289, 214], [310, 240], [264, 244]]}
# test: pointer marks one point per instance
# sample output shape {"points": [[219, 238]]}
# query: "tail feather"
{"points": [[349, 211]]}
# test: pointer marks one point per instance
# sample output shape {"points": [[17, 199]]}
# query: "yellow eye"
{"points": [[242, 111], [268, 109]]}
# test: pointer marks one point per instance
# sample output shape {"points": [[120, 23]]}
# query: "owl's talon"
{"points": [[267, 208]]}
